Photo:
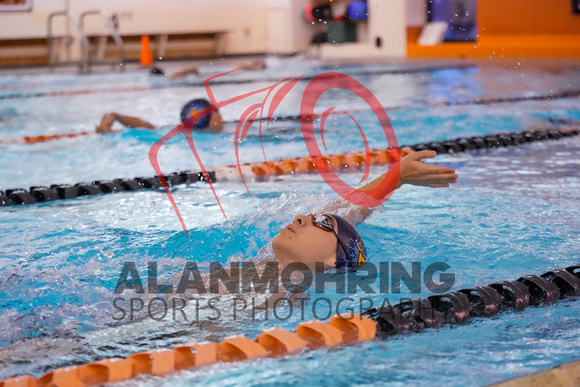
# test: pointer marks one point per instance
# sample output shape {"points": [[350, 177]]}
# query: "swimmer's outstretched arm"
{"points": [[412, 172], [255, 64], [131, 122], [184, 71]]}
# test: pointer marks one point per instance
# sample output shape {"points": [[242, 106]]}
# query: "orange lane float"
{"points": [[354, 329], [20, 381], [35, 139], [49, 137], [105, 371], [282, 167], [279, 342], [272, 342], [155, 362], [318, 334], [195, 355], [304, 165], [239, 348]]}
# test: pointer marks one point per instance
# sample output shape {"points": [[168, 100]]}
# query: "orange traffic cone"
{"points": [[146, 56]]}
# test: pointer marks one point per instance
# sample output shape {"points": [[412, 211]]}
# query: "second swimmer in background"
{"points": [[212, 122]]}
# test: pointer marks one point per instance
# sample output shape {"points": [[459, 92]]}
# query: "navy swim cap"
{"points": [[356, 253], [192, 108]]}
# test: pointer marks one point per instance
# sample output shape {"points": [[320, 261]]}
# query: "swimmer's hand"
{"points": [[414, 172]]}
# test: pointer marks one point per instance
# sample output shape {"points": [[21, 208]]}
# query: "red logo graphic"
{"points": [[314, 90]]}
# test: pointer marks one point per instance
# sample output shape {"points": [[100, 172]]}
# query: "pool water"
{"points": [[514, 211]]}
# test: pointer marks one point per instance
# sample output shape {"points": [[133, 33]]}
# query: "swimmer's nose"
{"points": [[300, 220]]}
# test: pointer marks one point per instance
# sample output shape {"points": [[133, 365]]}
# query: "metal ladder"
{"points": [[113, 33], [85, 62], [68, 38]]}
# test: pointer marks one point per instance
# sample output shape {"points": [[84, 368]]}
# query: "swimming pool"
{"points": [[514, 211]]}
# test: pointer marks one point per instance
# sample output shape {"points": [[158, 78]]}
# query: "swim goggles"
{"points": [[324, 222]]}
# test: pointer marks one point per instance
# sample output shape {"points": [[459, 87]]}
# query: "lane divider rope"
{"points": [[218, 82], [262, 170], [563, 95], [49, 137], [461, 306], [454, 308]]}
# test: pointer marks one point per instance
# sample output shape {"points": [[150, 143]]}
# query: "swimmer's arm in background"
{"points": [[131, 122], [183, 72], [412, 172], [258, 64]]}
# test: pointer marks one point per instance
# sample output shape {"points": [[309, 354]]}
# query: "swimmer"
{"points": [[256, 64], [327, 236], [212, 122], [331, 239]]}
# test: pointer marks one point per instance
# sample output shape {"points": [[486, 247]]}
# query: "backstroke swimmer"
{"points": [[326, 237], [332, 239], [306, 239]]}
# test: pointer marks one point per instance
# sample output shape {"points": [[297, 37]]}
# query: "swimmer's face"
{"points": [[301, 241], [215, 122]]}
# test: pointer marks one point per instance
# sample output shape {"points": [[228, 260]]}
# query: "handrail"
{"points": [[113, 33], [83, 39]]}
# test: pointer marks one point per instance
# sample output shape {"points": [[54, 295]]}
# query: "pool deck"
{"points": [[564, 375]]}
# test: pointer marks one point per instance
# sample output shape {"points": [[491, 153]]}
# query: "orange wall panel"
{"points": [[529, 17]]}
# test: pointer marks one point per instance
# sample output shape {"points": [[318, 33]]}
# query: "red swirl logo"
{"points": [[372, 197]]}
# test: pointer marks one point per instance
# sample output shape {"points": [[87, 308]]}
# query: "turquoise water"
{"points": [[514, 211]]}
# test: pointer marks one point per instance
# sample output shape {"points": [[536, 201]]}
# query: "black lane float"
{"points": [[41, 194]]}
